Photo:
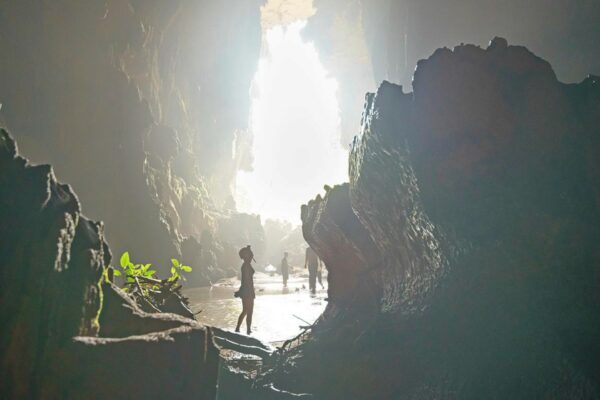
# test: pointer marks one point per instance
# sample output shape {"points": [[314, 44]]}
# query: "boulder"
{"points": [[479, 191]]}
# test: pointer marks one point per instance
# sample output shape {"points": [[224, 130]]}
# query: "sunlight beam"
{"points": [[296, 129]]}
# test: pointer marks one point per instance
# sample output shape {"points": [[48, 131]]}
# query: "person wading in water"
{"points": [[285, 269], [246, 292], [313, 263]]}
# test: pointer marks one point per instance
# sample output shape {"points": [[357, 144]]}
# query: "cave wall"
{"points": [[332, 229], [479, 191], [51, 260], [138, 104], [55, 302], [363, 43]]}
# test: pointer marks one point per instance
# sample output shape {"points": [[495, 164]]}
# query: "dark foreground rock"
{"points": [[344, 245], [480, 192], [175, 364], [52, 263], [121, 316]]}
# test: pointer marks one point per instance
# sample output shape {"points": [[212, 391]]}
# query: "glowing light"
{"points": [[295, 124]]}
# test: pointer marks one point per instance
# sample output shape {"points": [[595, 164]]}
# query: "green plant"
{"points": [[142, 283], [176, 270], [134, 270]]}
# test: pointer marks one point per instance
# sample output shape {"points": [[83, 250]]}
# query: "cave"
{"points": [[439, 160]]}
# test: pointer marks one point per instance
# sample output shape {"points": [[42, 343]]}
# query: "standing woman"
{"points": [[246, 292]]}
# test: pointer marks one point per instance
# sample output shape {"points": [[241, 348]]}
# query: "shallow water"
{"points": [[278, 312]]}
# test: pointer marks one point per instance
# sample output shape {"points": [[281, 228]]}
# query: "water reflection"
{"points": [[278, 312]]}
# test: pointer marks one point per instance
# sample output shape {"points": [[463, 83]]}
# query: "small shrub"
{"points": [[141, 282]]}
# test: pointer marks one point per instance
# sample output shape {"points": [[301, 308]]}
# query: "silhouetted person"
{"points": [[246, 292], [320, 275], [285, 269], [313, 262]]}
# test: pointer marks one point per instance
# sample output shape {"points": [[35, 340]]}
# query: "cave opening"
{"points": [[295, 127]]}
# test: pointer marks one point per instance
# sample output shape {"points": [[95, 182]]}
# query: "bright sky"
{"points": [[296, 128]]}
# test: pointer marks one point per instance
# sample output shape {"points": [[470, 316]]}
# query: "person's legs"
{"points": [[249, 311], [320, 277], [242, 315], [312, 279]]}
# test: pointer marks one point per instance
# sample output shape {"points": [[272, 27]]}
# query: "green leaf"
{"points": [[175, 262], [151, 272], [130, 280], [116, 272], [172, 270], [185, 268], [125, 259]]}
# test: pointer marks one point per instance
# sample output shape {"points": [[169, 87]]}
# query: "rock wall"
{"points": [[51, 260], [52, 263], [480, 192], [138, 104], [363, 43], [330, 227]]}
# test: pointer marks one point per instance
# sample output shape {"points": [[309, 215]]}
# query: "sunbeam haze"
{"points": [[296, 129]]}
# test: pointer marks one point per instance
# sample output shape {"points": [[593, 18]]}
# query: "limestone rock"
{"points": [[52, 289], [331, 228], [479, 190], [137, 105], [51, 261]]}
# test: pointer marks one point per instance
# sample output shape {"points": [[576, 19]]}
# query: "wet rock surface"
{"points": [[479, 191]]}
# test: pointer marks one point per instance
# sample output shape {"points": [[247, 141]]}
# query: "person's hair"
{"points": [[246, 253]]}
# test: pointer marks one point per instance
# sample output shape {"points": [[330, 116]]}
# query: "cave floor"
{"points": [[276, 309]]}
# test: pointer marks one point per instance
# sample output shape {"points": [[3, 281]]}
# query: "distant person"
{"points": [[285, 269], [312, 262], [320, 275], [246, 292]]}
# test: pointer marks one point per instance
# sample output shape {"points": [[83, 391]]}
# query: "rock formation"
{"points": [[138, 105], [479, 191], [52, 289], [363, 43], [335, 233]]}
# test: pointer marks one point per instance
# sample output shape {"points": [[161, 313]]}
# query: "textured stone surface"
{"points": [[52, 262], [479, 190], [363, 43], [138, 106], [331, 228], [179, 363], [122, 317]]}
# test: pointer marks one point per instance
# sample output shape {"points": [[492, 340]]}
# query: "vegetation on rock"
{"points": [[141, 282]]}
